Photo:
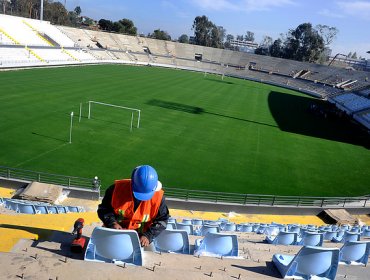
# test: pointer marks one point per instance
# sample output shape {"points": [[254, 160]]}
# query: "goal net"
{"points": [[135, 113]]}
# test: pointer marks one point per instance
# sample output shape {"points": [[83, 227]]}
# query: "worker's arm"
{"points": [[159, 223], [105, 209]]}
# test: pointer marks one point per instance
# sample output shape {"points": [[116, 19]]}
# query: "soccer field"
{"points": [[198, 131]]}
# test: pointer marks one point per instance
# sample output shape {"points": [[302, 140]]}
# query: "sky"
{"points": [[263, 17]]}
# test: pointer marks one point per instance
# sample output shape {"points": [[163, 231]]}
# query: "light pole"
{"points": [[70, 129], [42, 11]]}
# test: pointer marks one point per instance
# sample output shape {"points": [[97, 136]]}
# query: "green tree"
{"points": [[327, 33], [184, 39], [249, 36], [276, 49], [105, 24], [160, 35], [303, 43], [229, 38], [127, 27], [239, 37], [202, 30], [56, 13], [78, 10], [222, 33]]}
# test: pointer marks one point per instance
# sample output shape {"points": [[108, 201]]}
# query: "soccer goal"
{"points": [[134, 111]]}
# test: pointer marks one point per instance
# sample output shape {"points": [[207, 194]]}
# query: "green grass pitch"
{"points": [[198, 131]]}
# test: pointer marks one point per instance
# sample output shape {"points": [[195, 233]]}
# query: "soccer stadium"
{"points": [[264, 161]]}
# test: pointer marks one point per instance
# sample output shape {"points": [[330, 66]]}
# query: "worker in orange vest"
{"points": [[137, 203]]}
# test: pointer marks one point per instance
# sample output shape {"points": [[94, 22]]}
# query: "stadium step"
{"points": [[37, 33], [10, 37]]}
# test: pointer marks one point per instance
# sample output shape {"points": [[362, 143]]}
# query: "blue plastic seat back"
{"points": [[329, 235], [219, 244], [53, 209], [208, 228], [110, 245], [311, 262], [176, 241], [312, 239], [197, 222], [294, 228], [355, 251], [171, 220], [42, 208], [272, 230], [285, 238], [308, 262], [189, 228], [229, 227], [246, 228], [26, 208], [171, 226], [62, 209], [351, 236], [73, 209], [366, 232], [187, 221]]}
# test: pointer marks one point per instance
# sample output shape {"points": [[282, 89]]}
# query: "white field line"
{"points": [[40, 155]]}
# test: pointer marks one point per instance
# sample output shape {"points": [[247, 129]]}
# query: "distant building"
{"points": [[244, 46]]}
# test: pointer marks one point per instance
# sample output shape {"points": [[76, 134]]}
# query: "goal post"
{"points": [[133, 110]]}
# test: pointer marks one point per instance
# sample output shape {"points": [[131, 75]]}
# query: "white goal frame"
{"points": [[121, 107]]}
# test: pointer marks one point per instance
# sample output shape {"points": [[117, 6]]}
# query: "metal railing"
{"points": [[42, 177], [196, 195], [267, 200]]}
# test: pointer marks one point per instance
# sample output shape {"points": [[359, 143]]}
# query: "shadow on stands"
{"points": [[292, 114], [268, 270], [62, 240]]}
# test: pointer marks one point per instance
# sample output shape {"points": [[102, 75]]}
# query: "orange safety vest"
{"points": [[123, 205]]}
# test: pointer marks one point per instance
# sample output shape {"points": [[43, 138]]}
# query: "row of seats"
{"points": [[352, 101], [123, 246], [322, 263], [202, 227], [34, 207]]}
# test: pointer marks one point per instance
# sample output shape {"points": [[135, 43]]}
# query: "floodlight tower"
{"points": [[42, 10]]}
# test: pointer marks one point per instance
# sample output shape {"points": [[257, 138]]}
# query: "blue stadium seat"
{"points": [[217, 244], [229, 227], [197, 222], [311, 239], [208, 228], [329, 235], [172, 241], [246, 228], [42, 208], [348, 236], [27, 208], [187, 221], [171, 226], [189, 228], [117, 246], [308, 262], [355, 252], [283, 238]]}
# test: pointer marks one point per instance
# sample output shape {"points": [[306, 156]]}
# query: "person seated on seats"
{"points": [[137, 203]]}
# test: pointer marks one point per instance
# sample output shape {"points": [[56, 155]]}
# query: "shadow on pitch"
{"points": [[219, 81], [292, 114], [197, 110], [49, 137]]}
